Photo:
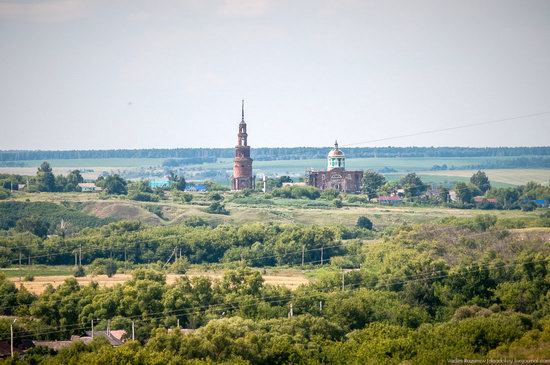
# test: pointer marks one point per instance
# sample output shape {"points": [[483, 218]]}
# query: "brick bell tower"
{"points": [[242, 164]]}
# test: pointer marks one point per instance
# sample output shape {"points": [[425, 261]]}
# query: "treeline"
{"points": [[46, 214], [277, 153], [259, 244], [187, 161], [521, 162]]}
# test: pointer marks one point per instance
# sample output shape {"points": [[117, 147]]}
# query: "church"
{"points": [[336, 176], [243, 177]]}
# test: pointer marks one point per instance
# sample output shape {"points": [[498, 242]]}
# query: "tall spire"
{"points": [[242, 112], [335, 144]]}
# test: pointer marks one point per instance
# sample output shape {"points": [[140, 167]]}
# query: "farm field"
{"points": [[401, 164], [288, 278], [503, 176], [91, 168]]}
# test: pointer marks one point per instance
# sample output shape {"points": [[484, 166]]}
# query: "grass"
{"points": [[498, 176], [252, 209], [37, 270]]}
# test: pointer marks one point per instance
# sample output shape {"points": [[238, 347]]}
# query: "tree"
{"points": [[444, 195], [481, 180], [34, 225], [178, 182], [464, 192], [364, 222], [372, 181], [413, 185], [283, 179], [45, 178], [74, 178], [114, 184]]}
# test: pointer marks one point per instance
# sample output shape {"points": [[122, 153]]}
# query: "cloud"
{"points": [[245, 8], [52, 11]]}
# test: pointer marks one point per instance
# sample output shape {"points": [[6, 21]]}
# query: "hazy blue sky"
{"points": [[84, 74]]}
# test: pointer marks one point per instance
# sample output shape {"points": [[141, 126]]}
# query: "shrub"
{"points": [[297, 192], [338, 203], [217, 208], [155, 209], [143, 197], [180, 266], [28, 277], [330, 194], [79, 272], [107, 267], [364, 222], [216, 197], [4, 194], [187, 197]]}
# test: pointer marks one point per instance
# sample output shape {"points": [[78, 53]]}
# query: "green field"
{"points": [[37, 270], [297, 168]]}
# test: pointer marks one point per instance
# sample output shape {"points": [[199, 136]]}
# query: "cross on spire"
{"points": [[242, 112]]}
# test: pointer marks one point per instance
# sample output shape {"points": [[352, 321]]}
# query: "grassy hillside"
{"points": [[12, 211]]}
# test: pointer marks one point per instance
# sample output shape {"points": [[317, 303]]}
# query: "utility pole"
{"points": [[291, 313], [133, 331], [11, 336], [20, 275], [92, 329], [75, 259], [178, 323], [343, 279], [125, 257], [80, 255], [108, 328], [322, 255], [321, 306], [303, 252]]}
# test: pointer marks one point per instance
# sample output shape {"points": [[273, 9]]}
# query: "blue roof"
{"points": [[159, 183], [196, 188]]}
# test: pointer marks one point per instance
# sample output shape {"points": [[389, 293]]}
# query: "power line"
{"points": [[420, 277], [450, 128], [370, 244], [247, 259]]}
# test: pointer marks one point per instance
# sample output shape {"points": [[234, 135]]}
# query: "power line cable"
{"points": [[470, 125], [419, 277]]}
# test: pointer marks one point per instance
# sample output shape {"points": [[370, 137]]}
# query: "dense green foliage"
{"points": [[425, 294], [372, 181], [262, 244], [49, 213]]}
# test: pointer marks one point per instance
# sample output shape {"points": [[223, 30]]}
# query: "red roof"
{"points": [[394, 198], [480, 199]]}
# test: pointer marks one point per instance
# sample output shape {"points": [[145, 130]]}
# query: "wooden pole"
{"points": [[11, 336]]}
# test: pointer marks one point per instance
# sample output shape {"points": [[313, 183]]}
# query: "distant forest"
{"points": [[277, 153]]}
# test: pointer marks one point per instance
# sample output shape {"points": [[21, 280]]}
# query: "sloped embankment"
{"points": [[120, 211]]}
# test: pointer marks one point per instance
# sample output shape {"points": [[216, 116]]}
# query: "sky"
{"points": [[119, 74]]}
